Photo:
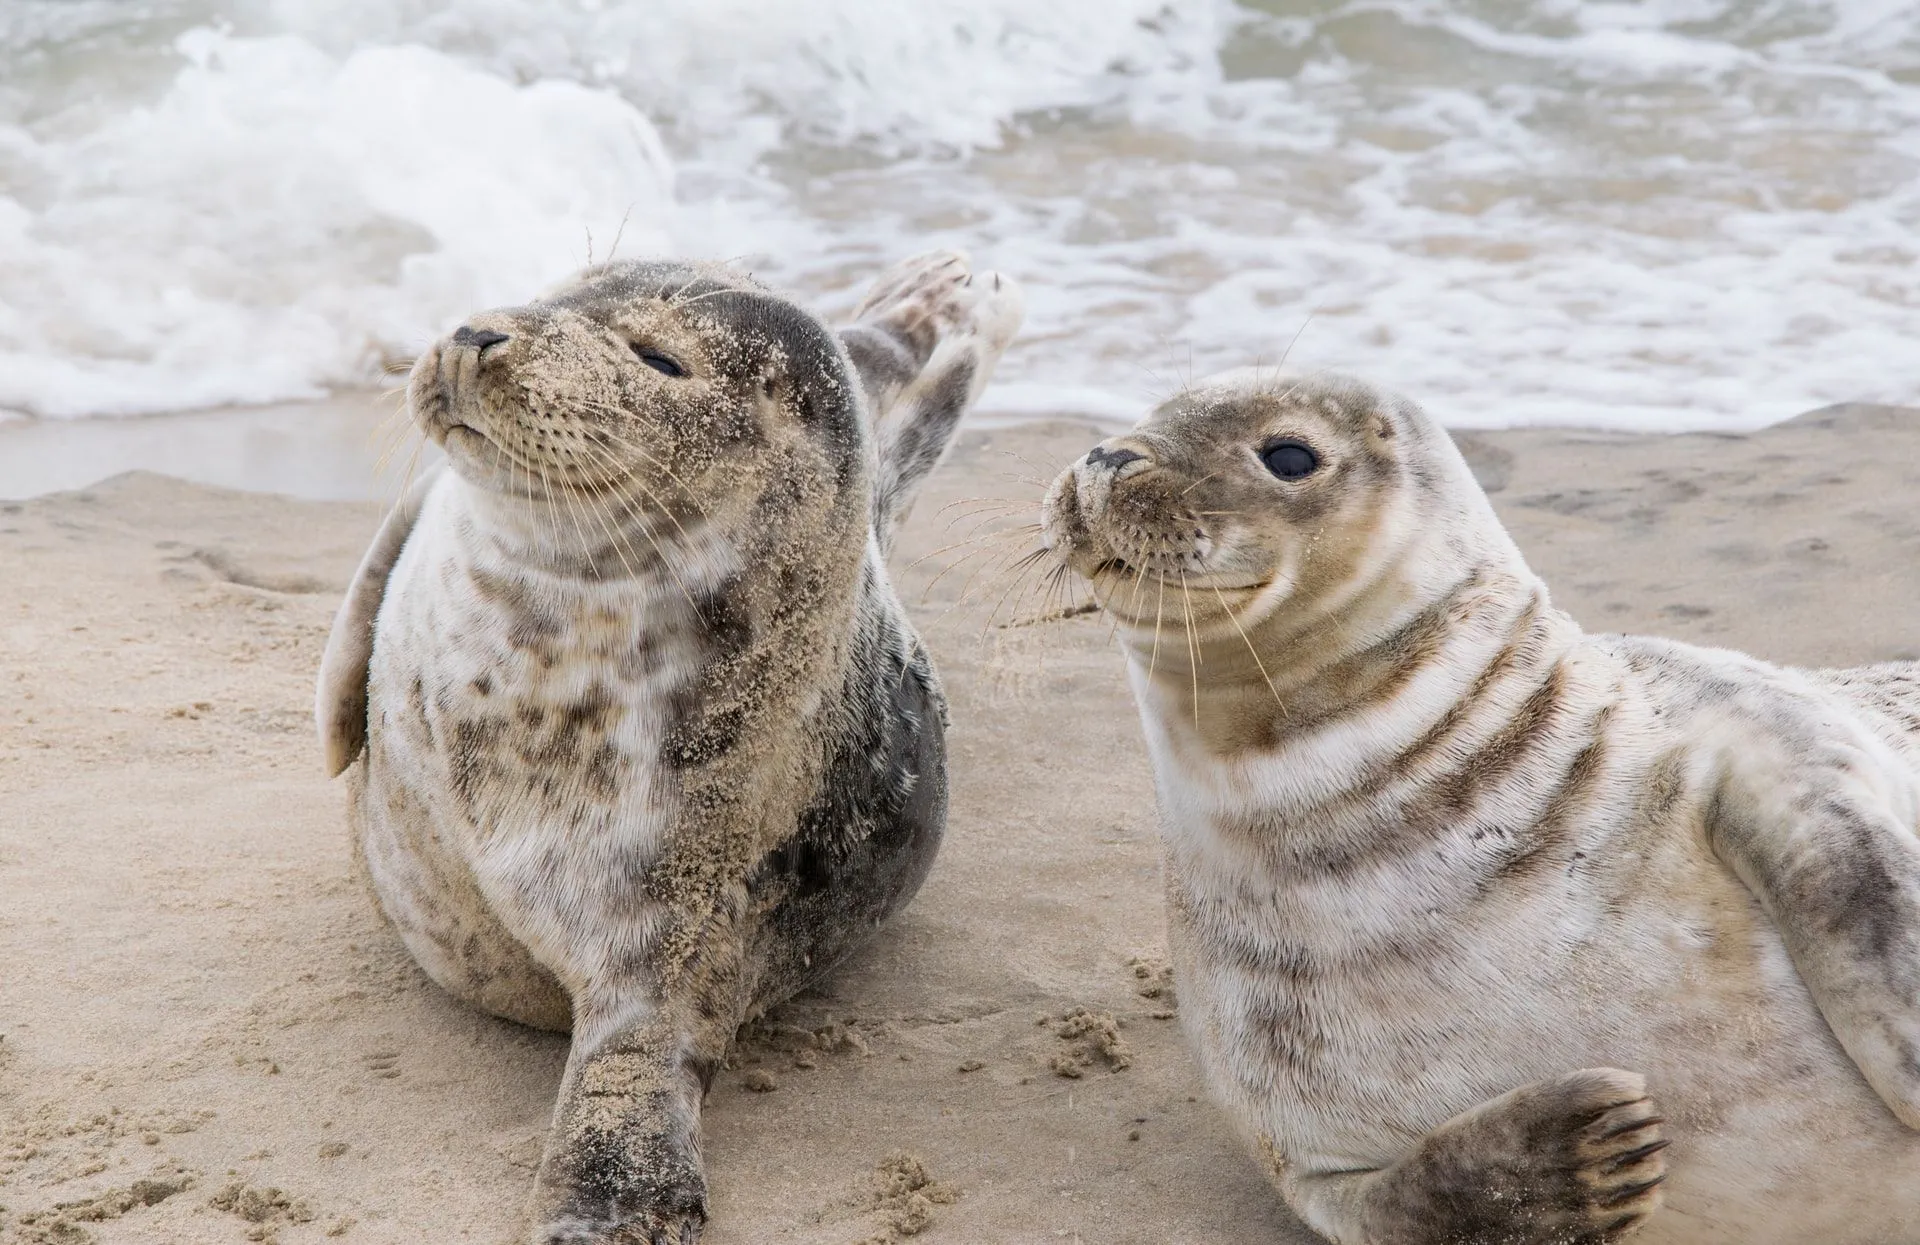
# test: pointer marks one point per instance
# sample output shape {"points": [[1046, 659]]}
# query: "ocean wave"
{"points": [[1683, 213], [293, 209]]}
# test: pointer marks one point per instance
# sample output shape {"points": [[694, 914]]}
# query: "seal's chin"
{"points": [[481, 460], [1138, 597], [466, 439], [467, 447]]}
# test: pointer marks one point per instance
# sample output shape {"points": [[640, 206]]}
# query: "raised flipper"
{"points": [[340, 701], [925, 341], [1576, 1160], [1826, 833]]}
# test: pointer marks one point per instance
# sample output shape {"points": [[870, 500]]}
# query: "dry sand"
{"points": [[210, 1035]]}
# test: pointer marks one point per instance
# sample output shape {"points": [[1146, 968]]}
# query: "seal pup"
{"points": [[1474, 913], [640, 739]]}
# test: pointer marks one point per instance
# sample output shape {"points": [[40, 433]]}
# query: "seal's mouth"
{"points": [[466, 433], [467, 441], [1121, 569]]}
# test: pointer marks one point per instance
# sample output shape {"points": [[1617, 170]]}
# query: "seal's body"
{"points": [[649, 742], [1472, 912]]}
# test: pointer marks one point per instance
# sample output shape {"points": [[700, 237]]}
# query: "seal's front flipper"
{"points": [[622, 1162], [1577, 1159], [340, 701], [1828, 840], [925, 342]]}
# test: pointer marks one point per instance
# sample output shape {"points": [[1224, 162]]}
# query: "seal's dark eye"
{"points": [[657, 361], [1290, 460]]}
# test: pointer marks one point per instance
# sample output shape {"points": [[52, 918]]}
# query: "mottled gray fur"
{"points": [[1474, 913], [648, 741]]}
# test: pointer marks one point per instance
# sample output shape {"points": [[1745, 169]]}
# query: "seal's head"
{"points": [[1253, 496], [643, 387]]}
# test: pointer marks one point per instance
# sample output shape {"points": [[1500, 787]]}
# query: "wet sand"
{"points": [[210, 1036]]}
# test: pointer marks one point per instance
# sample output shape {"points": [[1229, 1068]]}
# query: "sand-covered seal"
{"points": [[1474, 913], [648, 741]]}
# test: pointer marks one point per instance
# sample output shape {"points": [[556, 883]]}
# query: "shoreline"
{"points": [[352, 446]]}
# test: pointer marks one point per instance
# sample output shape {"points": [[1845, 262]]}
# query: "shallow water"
{"points": [[1677, 214]]}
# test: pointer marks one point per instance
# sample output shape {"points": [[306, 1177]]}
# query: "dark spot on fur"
{"points": [[470, 746], [729, 627], [529, 624], [866, 843], [704, 733], [603, 772], [1378, 673]]}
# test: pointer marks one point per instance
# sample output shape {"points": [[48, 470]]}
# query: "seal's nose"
{"points": [[466, 336], [1095, 475], [1112, 460]]}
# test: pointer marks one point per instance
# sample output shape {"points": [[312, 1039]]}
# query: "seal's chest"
{"points": [[528, 707]]}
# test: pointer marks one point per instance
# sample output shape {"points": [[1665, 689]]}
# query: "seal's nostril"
{"points": [[1100, 456], [466, 336]]}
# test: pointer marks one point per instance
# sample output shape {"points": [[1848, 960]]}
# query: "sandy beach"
{"points": [[210, 1035]]}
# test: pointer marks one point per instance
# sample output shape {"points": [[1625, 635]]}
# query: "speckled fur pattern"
{"points": [[639, 739], [1489, 930]]}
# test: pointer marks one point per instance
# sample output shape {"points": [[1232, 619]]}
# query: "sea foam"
{"points": [[1683, 213]]}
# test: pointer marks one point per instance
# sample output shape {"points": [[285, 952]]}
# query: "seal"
{"points": [[1474, 914], [639, 739]]}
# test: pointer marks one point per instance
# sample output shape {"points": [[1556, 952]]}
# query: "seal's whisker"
{"points": [[1058, 581], [1193, 648], [609, 524], [994, 569], [1159, 603], [985, 519], [996, 501], [600, 407], [399, 412], [616, 441], [614, 519], [1044, 579], [962, 544], [1139, 580], [536, 513], [926, 592], [619, 233], [546, 486], [1295, 387], [1255, 653], [984, 527], [688, 302], [629, 445], [618, 486], [984, 514], [596, 510], [413, 464], [621, 471], [1067, 590], [399, 439], [390, 432], [1048, 472], [1022, 572], [1049, 585], [1197, 483], [999, 563], [1295, 340]]}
